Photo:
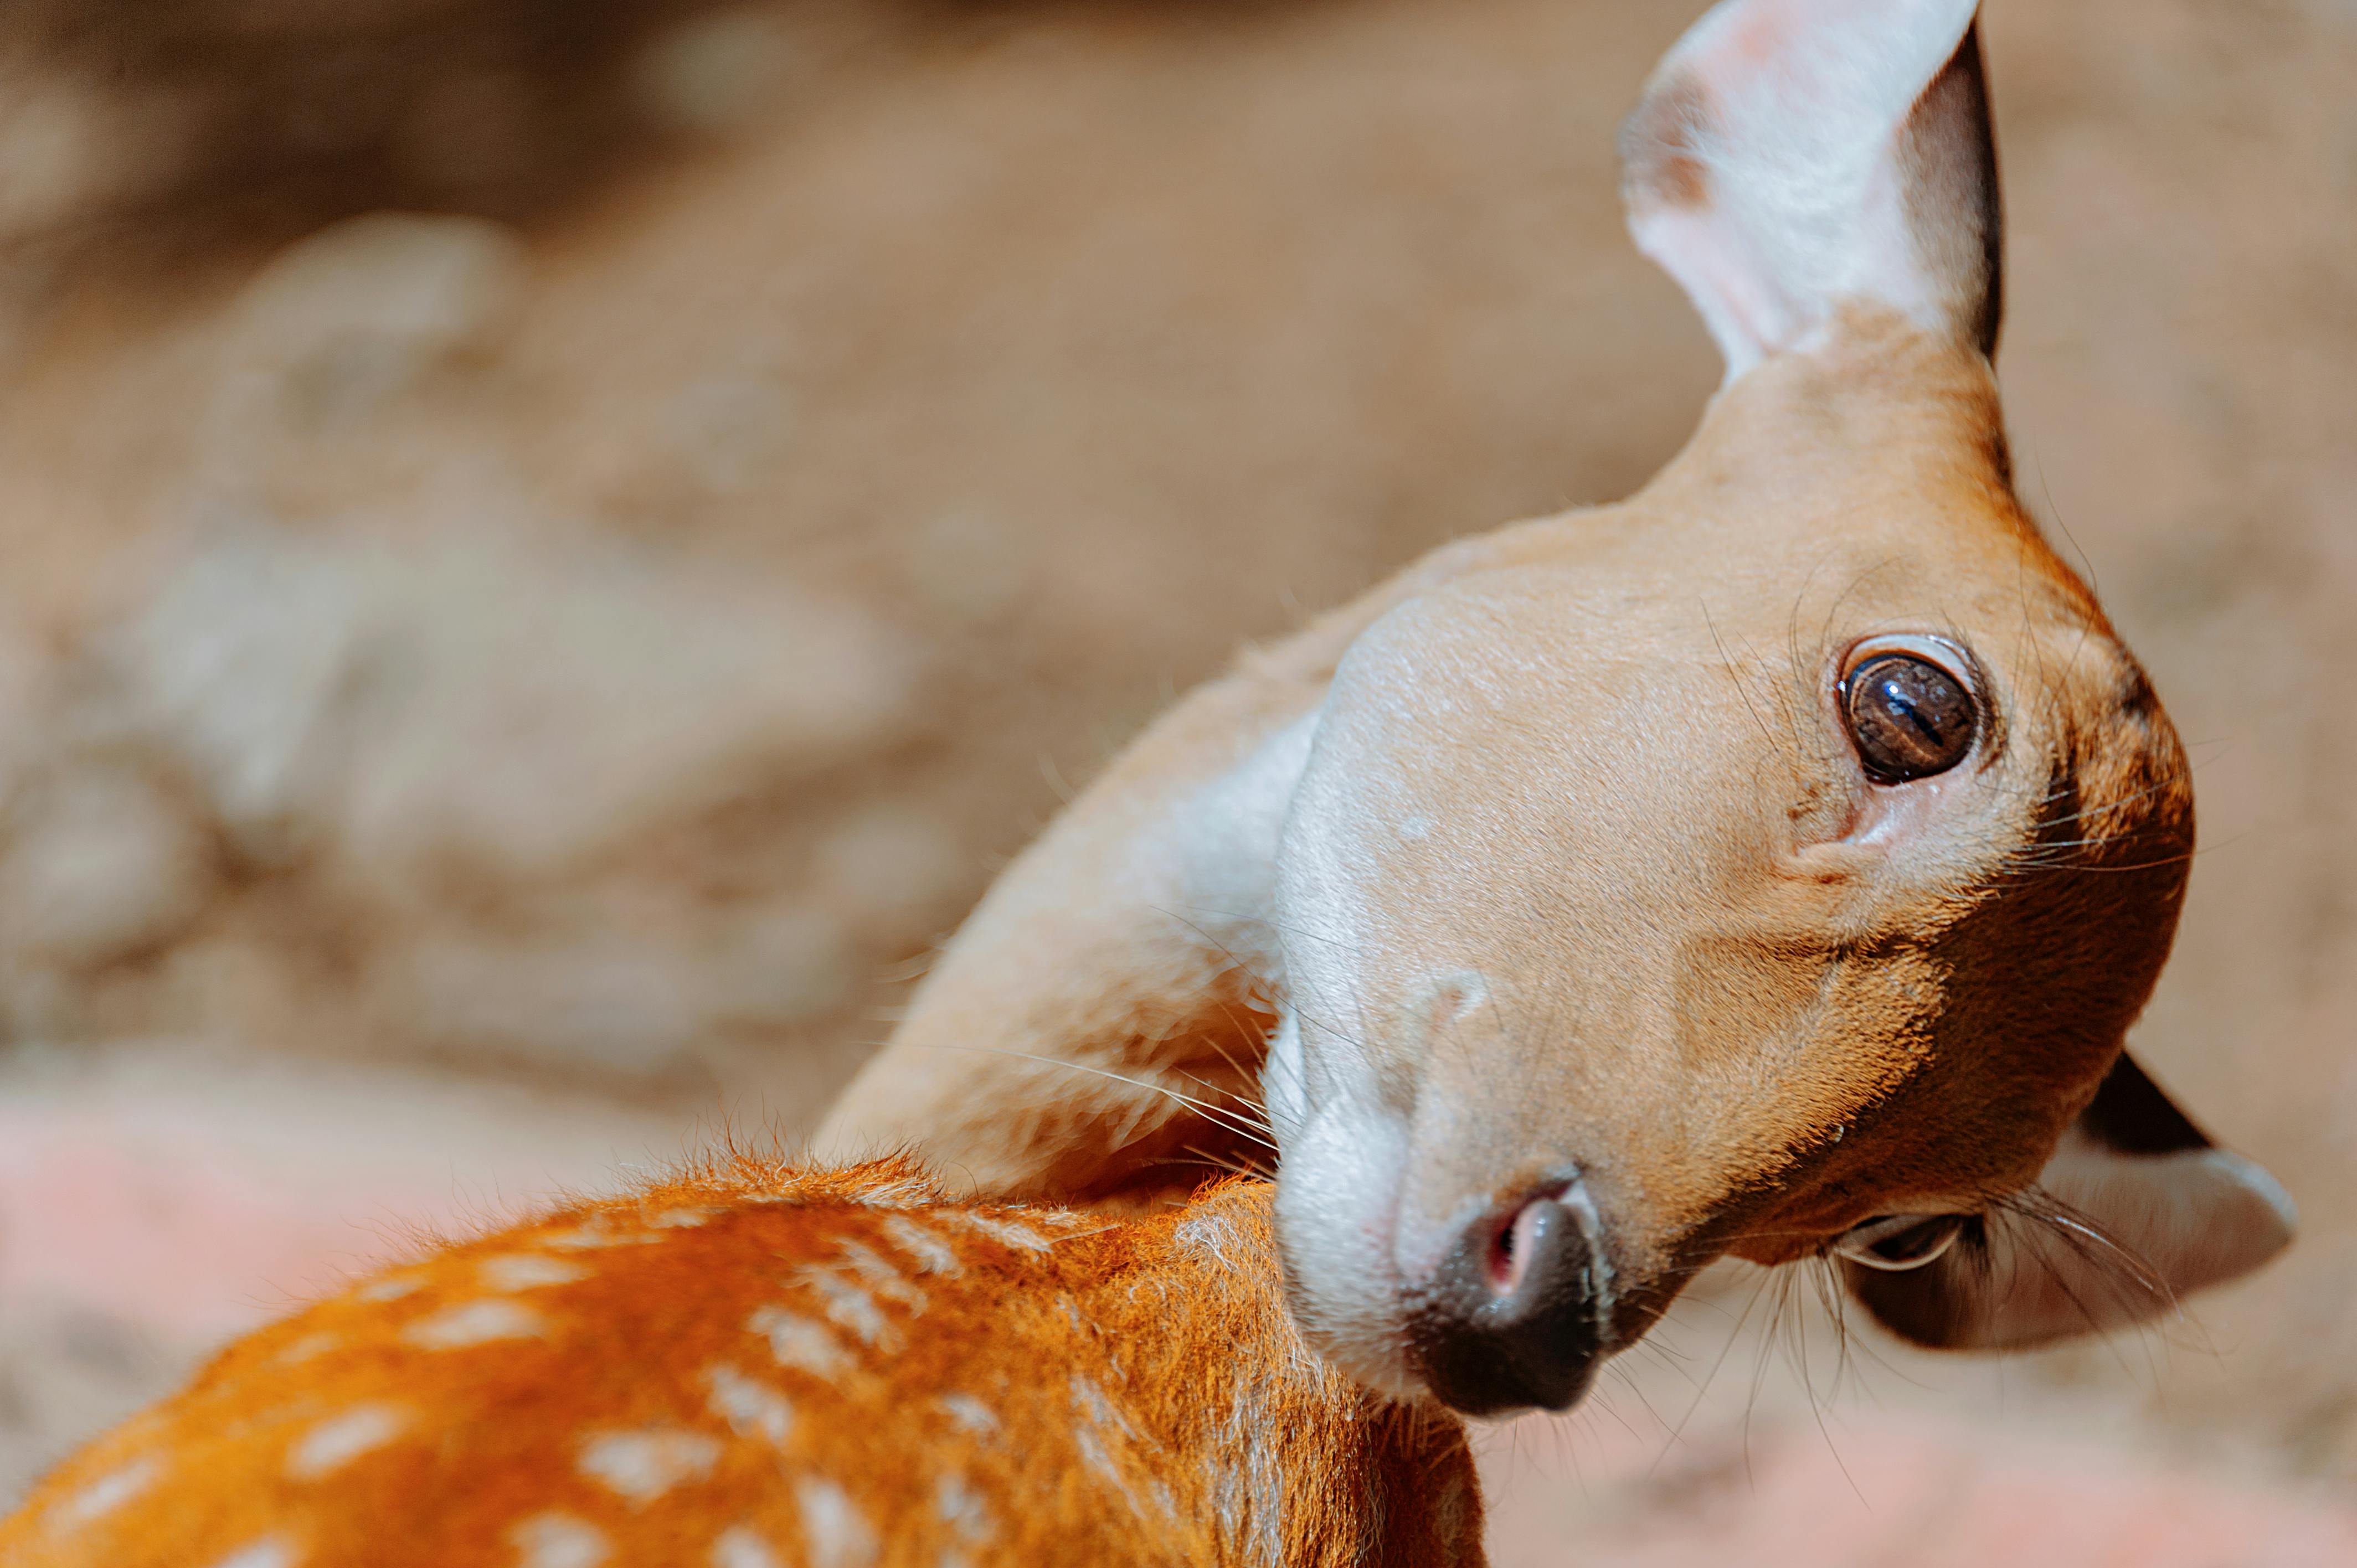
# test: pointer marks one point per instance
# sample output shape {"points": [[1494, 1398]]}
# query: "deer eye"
{"points": [[1896, 1242], [1908, 716]]}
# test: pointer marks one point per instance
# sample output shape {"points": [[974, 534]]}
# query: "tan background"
{"points": [[550, 548]]}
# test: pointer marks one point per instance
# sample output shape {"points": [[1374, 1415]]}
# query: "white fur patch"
{"points": [[271, 1552], [975, 1418], [851, 1308], [751, 1408], [341, 1439], [589, 1237], [880, 1276], [111, 1491], [559, 1540], [1006, 1232], [475, 1323], [961, 1507], [304, 1348], [1337, 1210], [739, 1547], [1106, 1426], [801, 1343], [905, 1192], [528, 1271], [641, 1466], [932, 1255], [1210, 1239], [838, 1533]]}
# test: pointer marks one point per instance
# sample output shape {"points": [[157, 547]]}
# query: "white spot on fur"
{"points": [[270, 1552], [905, 1192], [1090, 1401], [341, 1439], [304, 1348], [933, 1255], [1103, 1417], [880, 1276], [106, 1494], [838, 1533], [961, 1507], [597, 1233], [1210, 1239], [679, 1218], [740, 1548], [393, 1287], [1006, 1232], [799, 1342], [850, 1307], [970, 1414], [476, 1323], [1098, 1458], [528, 1271], [642, 1466], [558, 1541], [749, 1406]]}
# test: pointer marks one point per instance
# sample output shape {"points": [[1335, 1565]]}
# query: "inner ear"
{"points": [[2137, 1209], [1791, 157]]}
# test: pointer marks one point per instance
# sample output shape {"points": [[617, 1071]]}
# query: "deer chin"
{"points": [[1338, 1199]]}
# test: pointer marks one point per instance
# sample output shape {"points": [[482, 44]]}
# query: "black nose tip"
{"points": [[1512, 1320]]}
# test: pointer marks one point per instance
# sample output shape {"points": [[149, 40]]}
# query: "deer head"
{"points": [[1772, 864]]}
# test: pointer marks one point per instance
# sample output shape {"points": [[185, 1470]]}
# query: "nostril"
{"points": [[1505, 1257], [1516, 1241], [1513, 1317]]}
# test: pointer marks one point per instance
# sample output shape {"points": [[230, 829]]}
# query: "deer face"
{"points": [[1774, 863]]}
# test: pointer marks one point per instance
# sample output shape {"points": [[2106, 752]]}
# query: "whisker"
{"points": [[1215, 1112]]}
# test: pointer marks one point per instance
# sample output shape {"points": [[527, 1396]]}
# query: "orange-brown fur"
{"points": [[1137, 1396]]}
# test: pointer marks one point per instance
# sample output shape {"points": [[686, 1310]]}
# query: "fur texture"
{"points": [[756, 1365]]}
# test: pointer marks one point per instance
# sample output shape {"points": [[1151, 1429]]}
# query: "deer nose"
{"points": [[1513, 1319]]}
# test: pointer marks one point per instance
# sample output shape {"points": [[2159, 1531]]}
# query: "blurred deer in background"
{"points": [[1772, 864], [759, 1366]]}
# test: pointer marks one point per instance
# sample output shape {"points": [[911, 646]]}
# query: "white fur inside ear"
{"points": [[2166, 1226], [1763, 167], [2197, 1217]]}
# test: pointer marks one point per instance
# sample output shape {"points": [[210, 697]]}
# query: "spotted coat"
{"points": [[759, 1366]]}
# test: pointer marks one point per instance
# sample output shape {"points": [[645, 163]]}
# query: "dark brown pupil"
{"points": [[1908, 717]]}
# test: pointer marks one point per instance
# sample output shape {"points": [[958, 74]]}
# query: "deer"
{"points": [[1770, 865], [754, 1364]]}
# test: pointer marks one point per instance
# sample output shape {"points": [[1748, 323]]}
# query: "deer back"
{"points": [[757, 1366]]}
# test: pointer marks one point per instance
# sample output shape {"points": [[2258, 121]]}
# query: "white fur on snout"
{"points": [[1337, 1207]]}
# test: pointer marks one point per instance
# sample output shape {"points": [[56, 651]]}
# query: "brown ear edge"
{"points": [[2131, 1115], [1954, 204]]}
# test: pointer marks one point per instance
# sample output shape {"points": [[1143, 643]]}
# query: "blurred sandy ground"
{"points": [[552, 546]]}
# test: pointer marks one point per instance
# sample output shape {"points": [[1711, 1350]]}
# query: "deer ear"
{"points": [[1793, 155], [2136, 1209]]}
